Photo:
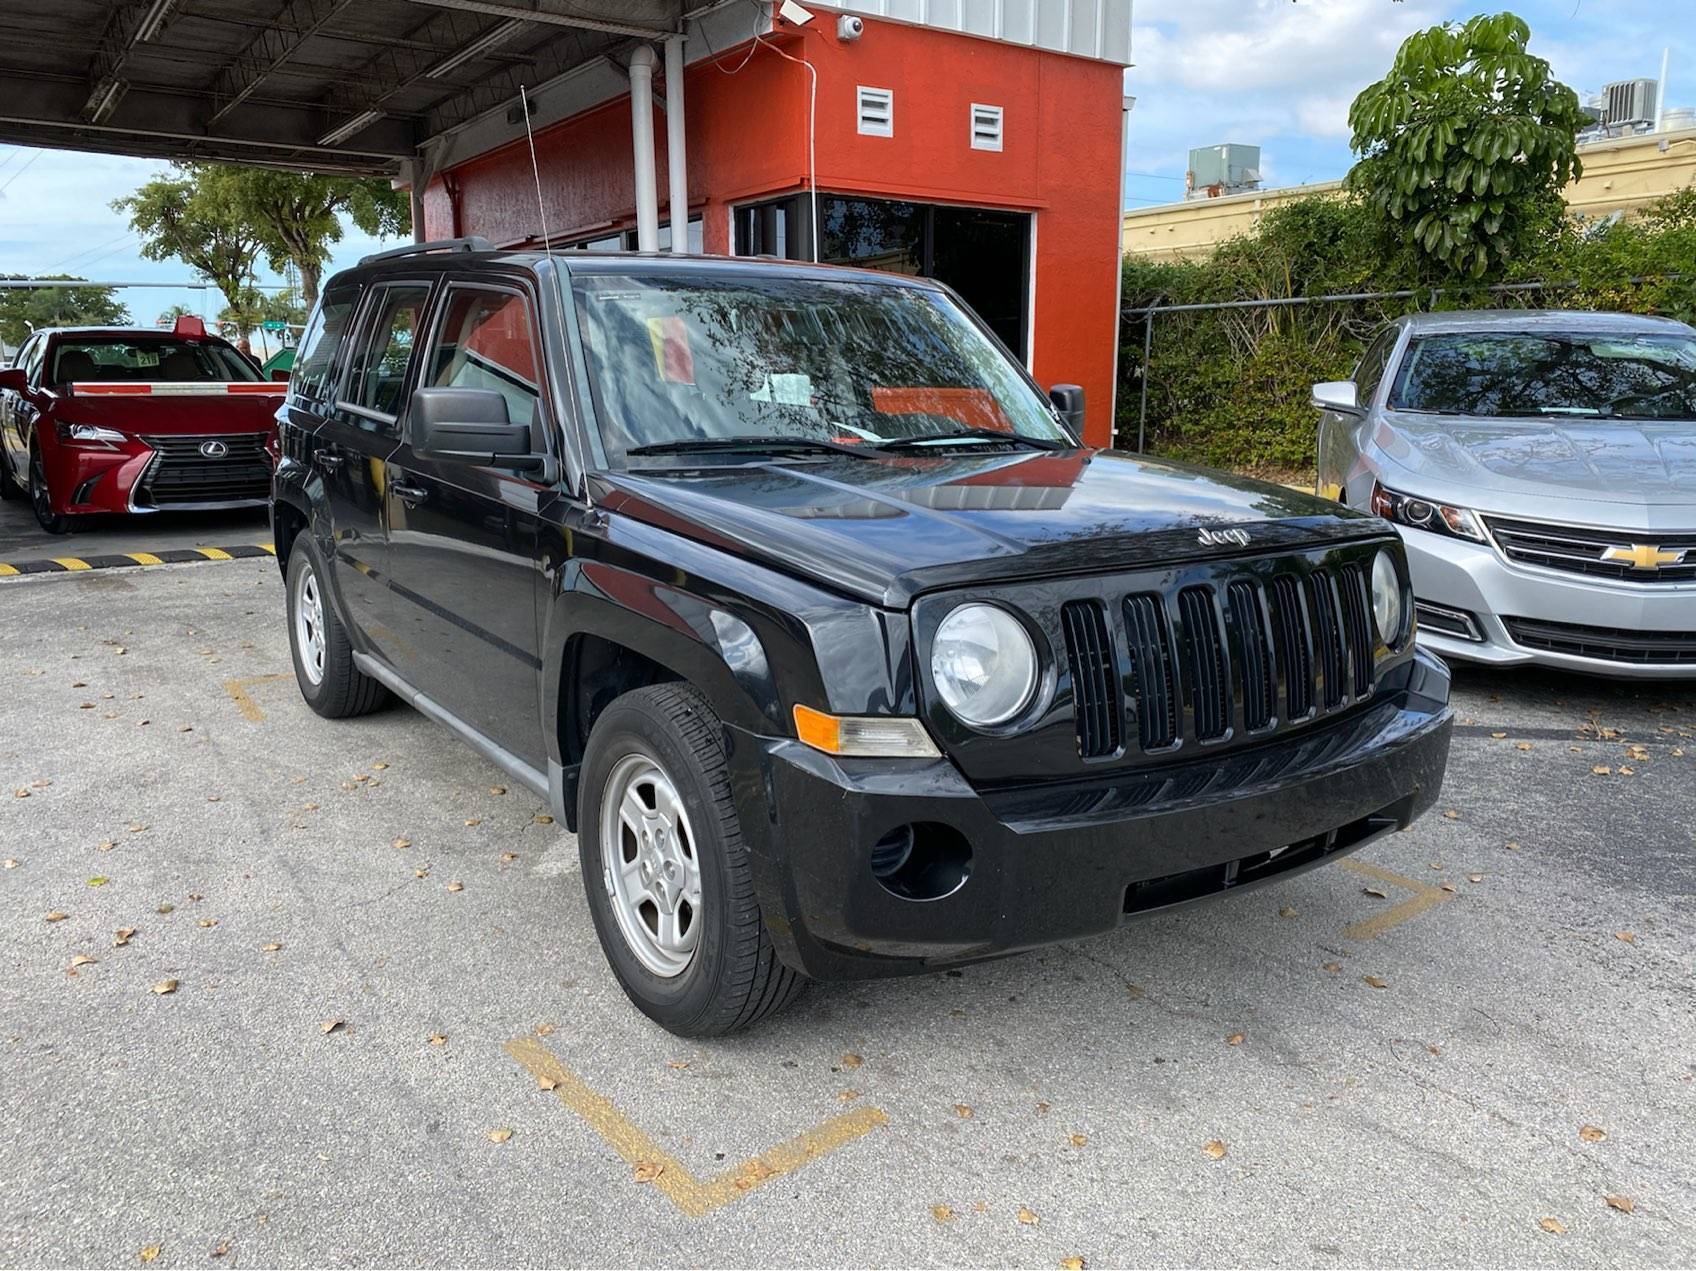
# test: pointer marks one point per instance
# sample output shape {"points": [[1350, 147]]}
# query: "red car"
{"points": [[115, 420]]}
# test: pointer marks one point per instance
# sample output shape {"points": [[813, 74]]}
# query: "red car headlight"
{"points": [[91, 435]]}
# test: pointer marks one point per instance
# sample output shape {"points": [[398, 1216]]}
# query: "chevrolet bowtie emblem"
{"points": [[1642, 556]]}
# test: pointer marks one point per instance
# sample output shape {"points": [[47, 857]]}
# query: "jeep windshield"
{"points": [[708, 366]]}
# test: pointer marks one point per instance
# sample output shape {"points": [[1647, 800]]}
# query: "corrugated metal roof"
{"points": [[1086, 28]]}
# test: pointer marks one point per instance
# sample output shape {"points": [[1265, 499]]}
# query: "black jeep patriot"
{"points": [[809, 612]]}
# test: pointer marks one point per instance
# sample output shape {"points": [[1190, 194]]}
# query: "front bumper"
{"points": [[115, 478], [1061, 860], [1474, 578]]}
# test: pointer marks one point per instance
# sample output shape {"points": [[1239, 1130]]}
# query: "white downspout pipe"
{"points": [[676, 153], [642, 63]]}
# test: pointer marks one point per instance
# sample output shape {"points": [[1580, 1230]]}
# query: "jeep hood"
{"points": [[887, 528]]}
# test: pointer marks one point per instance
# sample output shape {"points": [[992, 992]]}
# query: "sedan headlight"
{"points": [[1424, 514], [1387, 603], [90, 435], [984, 664]]}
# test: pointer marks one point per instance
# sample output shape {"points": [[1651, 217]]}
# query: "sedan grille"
{"points": [[1639, 556], [1205, 657], [181, 473], [1605, 644]]}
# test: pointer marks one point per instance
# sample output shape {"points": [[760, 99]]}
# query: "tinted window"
{"points": [[379, 372], [1370, 372], [675, 359], [147, 361], [1623, 377], [315, 361], [485, 341], [33, 354]]}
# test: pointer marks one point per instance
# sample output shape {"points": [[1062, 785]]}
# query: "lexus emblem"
{"points": [[1223, 538], [214, 449]]}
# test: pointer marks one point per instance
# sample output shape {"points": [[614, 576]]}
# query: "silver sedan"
{"points": [[1541, 467]]}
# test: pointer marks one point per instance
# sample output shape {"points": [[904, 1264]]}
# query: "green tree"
{"points": [[296, 216], [178, 216], [23, 310], [1465, 146]]}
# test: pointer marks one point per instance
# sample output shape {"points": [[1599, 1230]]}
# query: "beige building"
{"points": [[1619, 176]]}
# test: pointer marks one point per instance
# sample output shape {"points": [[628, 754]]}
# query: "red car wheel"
{"points": [[40, 499]]}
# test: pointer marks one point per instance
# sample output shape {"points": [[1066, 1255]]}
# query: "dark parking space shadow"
{"points": [[1545, 686], [22, 538]]}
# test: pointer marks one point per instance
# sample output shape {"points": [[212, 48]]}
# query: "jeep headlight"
{"points": [[984, 664], [1387, 597]]}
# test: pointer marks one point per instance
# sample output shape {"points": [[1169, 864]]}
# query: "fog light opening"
{"points": [[925, 861]]}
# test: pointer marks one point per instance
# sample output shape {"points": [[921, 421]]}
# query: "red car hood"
{"points": [[245, 411]]}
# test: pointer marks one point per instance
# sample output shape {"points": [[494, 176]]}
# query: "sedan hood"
{"points": [[887, 528], [1643, 462]]}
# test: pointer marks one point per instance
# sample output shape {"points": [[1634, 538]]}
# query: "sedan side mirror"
{"points": [[470, 425], [1068, 399], [1338, 395], [14, 379]]}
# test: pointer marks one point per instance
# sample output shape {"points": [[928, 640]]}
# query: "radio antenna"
{"points": [[548, 250]]}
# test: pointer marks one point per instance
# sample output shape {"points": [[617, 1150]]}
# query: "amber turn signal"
{"points": [[865, 736]]}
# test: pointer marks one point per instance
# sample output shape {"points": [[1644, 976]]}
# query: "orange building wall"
{"points": [[748, 141]]}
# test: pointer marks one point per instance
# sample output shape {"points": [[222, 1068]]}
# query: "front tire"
{"points": [[40, 498], [9, 487], [323, 655], [667, 874]]}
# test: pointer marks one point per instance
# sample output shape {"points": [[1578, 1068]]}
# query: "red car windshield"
{"points": [[127, 360]]}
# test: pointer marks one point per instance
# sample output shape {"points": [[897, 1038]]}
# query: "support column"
{"points": [[676, 154], [642, 63]]}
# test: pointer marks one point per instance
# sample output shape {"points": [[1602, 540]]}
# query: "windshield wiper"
{"points": [[968, 434], [774, 445]]}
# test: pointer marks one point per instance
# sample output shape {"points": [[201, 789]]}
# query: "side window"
{"points": [[1370, 373], [486, 340], [32, 360], [316, 364], [379, 368]]}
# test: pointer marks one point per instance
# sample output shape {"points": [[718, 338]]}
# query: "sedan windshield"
{"points": [[699, 364], [1600, 376]]}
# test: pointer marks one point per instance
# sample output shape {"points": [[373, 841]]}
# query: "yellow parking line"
{"points": [[693, 1197], [72, 563], [269, 547], [237, 689], [144, 558], [1424, 897], [214, 553], [7, 571]]}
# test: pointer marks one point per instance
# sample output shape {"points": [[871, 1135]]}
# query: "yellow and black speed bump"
{"points": [[126, 560]]}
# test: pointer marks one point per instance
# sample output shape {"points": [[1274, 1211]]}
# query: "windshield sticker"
{"points": [[785, 388], [673, 361]]}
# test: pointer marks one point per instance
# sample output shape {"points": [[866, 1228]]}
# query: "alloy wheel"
{"points": [[309, 624], [650, 866]]}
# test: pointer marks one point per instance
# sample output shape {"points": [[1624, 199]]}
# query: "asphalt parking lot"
{"points": [[1455, 1049]]}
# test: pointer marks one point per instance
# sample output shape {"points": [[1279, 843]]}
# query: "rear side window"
{"points": [[316, 360], [379, 369], [1371, 371], [486, 340]]}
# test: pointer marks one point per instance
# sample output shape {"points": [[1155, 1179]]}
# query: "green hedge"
{"points": [[1230, 387]]}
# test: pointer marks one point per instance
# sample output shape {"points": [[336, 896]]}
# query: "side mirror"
{"points": [[470, 425], [1338, 395], [1068, 399], [14, 379]]}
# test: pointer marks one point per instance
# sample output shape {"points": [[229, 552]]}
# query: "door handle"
{"points": [[330, 461], [409, 494]]}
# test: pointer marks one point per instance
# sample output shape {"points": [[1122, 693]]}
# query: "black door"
{"points": [[463, 536], [359, 432]]}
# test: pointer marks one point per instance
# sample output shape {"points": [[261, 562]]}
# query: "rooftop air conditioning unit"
{"points": [[1629, 103]]}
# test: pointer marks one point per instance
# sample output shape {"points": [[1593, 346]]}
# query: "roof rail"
{"points": [[474, 243]]}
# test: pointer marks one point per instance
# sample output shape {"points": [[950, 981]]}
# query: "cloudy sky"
{"points": [[1274, 73]]}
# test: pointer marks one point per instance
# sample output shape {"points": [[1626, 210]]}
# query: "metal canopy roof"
{"points": [[332, 85]]}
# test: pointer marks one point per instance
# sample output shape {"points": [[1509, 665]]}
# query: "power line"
{"points": [[85, 251], [21, 171], [1154, 176]]}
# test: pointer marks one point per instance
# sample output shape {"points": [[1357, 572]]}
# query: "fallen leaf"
{"points": [[1522, 745], [11, 862], [456, 886], [473, 821], [942, 1213], [963, 1110], [361, 776], [1288, 911], [500, 1136], [1042, 1106], [1592, 1133], [1601, 770], [1374, 982], [1624, 1204], [547, 1083], [1554, 1226], [647, 1171], [1077, 1140], [542, 1030], [332, 1025], [164, 987], [1027, 1217], [20, 793], [57, 916], [400, 843], [497, 790], [379, 765], [848, 1096], [1434, 1049], [1450, 887], [542, 818], [138, 828], [1235, 1039], [272, 947], [1629, 937], [122, 937], [677, 1065], [208, 922], [165, 908], [1074, 1263], [1511, 846], [1451, 815], [438, 1039], [1213, 1149], [99, 880], [220, 1249], [82, 959], [851, 1060], [1475, 878], [1332, 967], [421, 873], [152, 1251], [508, 857], [1376, 891], [1498, 736], [194, 895], [1625, 771], [105, 845], [1135, 992]]}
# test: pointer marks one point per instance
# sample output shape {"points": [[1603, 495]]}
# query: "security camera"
{"points": [[850, 28]]}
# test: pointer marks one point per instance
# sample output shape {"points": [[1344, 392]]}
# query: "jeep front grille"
{"points": [[1095, 677]]}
